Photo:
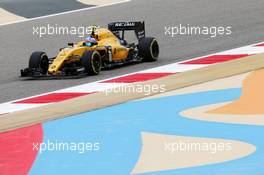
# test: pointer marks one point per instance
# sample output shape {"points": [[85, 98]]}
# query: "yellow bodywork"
{"points": [[104, 38]]}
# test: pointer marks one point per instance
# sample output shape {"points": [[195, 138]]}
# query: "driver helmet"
{"points": [[90, 41]]}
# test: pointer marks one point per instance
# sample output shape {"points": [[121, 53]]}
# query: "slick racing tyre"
{"points": [[39, 60], [148, 49], [92, 63]]}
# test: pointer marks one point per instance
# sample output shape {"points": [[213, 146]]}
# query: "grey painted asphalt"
{"points": [[36, 8], [17, 41]]}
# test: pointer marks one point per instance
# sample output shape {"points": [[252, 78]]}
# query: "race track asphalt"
{"points": [[36, 8], [17, 41]]}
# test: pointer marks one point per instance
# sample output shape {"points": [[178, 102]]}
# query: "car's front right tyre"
{"points": [[92, 63]]}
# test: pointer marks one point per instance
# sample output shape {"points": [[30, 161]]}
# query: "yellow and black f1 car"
{"points": [[105, 48]]}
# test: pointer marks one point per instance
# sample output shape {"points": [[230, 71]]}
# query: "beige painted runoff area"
{"points": [[101, 100], [219, 84], [252, 99], [166, 152], [6, 16], [201, 113]]}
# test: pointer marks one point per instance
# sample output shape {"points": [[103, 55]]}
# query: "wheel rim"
{"points": [[96, 64]]}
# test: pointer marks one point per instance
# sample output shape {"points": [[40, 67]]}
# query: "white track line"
{"points": [[63, 13]]}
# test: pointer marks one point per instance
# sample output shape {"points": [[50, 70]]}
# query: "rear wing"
{"points": [[138, 27]]}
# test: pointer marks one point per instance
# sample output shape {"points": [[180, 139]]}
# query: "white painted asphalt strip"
{"points": [[92, 87], [10, 107], [243, 50], [98, 2], [174, 68]]}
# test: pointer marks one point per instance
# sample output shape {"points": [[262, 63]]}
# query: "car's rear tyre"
{"points": [[148, 49], [92, 63], [39, 60]]}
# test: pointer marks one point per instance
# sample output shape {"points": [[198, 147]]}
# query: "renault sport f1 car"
{"points": [[104, 48]]}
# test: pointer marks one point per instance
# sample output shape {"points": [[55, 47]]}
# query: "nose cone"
{"points": [[52, 70]]}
